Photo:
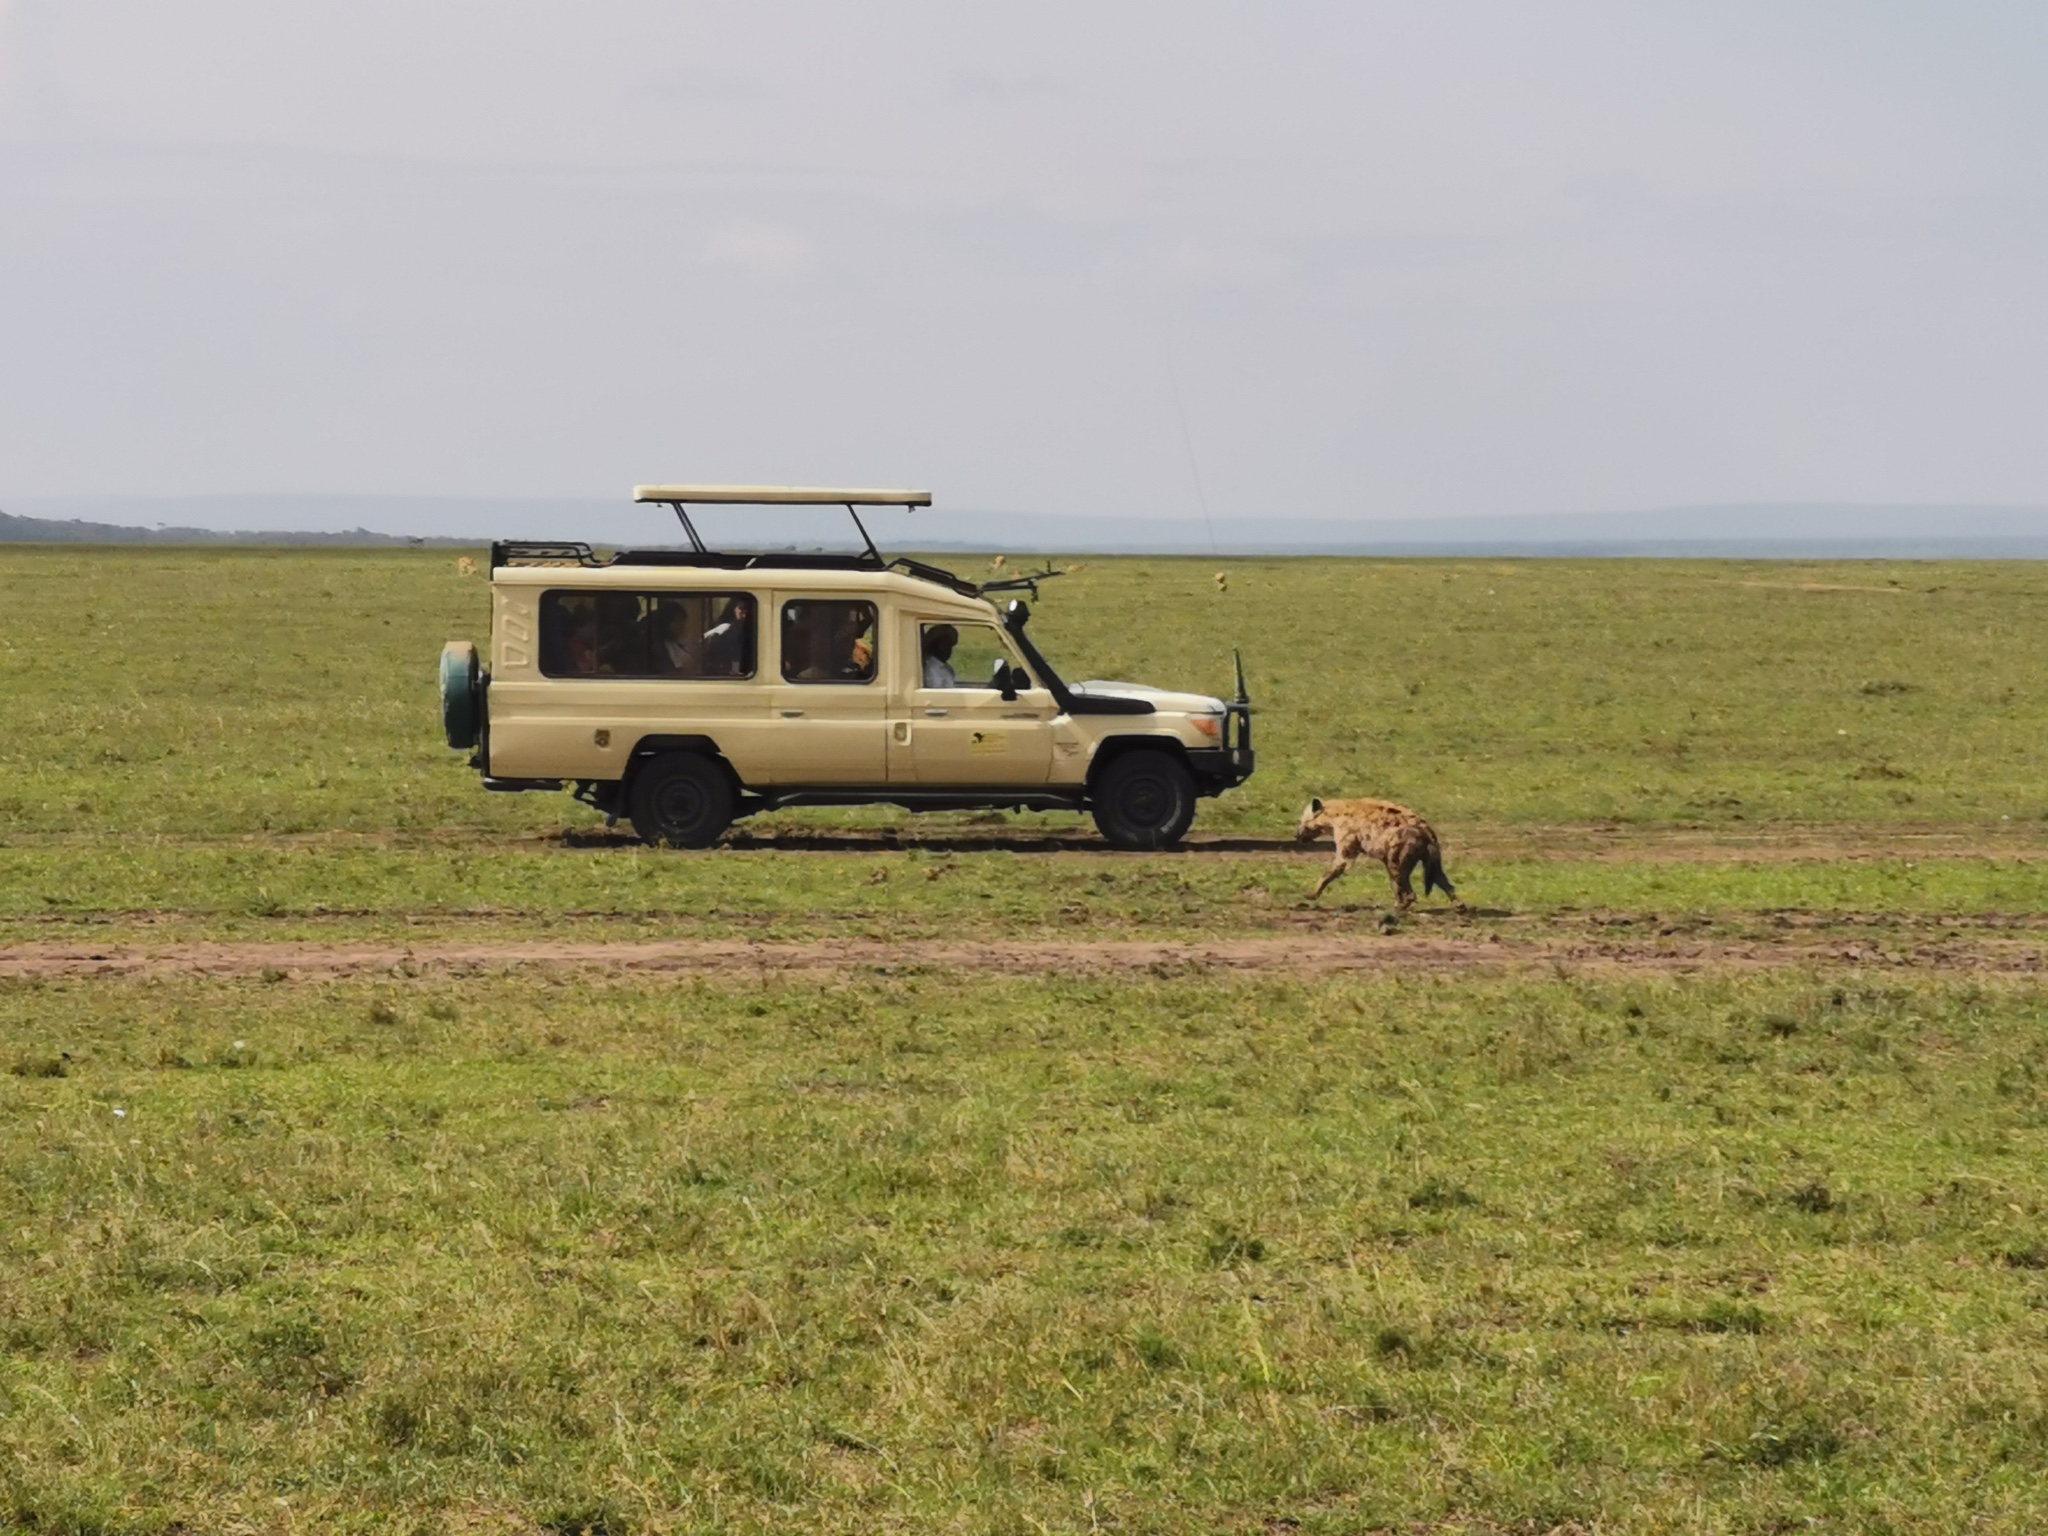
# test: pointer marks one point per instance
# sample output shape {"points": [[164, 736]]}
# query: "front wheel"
{"points": [[1144, 799], [682, 800]]}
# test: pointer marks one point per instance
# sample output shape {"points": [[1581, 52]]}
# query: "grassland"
{"points": [[1692, 1183], [205, 694], [251, 732], [1183, 1254]]}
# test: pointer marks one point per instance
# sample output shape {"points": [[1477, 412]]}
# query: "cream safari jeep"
{"points": [[684, 687]]}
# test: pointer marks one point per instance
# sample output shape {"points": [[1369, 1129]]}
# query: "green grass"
{"points": [[1751, 1251], [1165, 1255], [214, 693], [251, 732]]}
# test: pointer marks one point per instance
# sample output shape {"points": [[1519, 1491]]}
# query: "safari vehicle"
{"points": [[684, 687]]}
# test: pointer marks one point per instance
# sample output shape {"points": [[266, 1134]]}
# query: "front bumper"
{"points": [[1229, 765], [1219, 768]]}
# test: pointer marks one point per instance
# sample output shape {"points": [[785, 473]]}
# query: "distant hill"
{"points": [[1764, 531], [45, 530]]}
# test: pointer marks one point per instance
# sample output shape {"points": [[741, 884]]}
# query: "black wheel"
{"points": [[462, 693], [1145, 800], [683, 800]]}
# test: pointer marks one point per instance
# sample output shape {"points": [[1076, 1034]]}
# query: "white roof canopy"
{"points": [[779, 496]]}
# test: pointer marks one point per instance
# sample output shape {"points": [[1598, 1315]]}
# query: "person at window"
{"points": [[939, 640], [581, 642], [855, 644], [682, 651], [728, 644], [621, 645], [835, 647]]}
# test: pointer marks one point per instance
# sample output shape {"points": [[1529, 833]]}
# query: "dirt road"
{"points": [[1300, 955]]}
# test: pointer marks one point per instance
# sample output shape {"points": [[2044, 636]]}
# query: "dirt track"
{"points": [[1303, 955]]}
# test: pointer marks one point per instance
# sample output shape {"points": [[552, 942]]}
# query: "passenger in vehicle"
{"points": [[682, 648], [581, 641], [822, 642], [939, 640], [621, 643], [810, 648], [729, 644], [860, 644], [853, 646]]}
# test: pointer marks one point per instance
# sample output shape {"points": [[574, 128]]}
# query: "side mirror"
{"points": [[1004, 677]]}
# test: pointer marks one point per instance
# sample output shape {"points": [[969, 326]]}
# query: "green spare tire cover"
{"points": [[461, 693]]}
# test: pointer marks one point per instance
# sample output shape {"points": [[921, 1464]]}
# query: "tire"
{"points": [[462, 714], [681, 800], [1144, 799]]}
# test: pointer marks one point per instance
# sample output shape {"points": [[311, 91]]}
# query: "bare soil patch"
{"points": [[1317, 954], [1780, 844], [1825, 586], [1721, 842]]}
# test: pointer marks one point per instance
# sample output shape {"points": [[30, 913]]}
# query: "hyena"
{"points": [[1378, 829]]}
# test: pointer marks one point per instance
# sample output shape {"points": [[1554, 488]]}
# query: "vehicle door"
{"points": [[828, 704], [960, 729]]}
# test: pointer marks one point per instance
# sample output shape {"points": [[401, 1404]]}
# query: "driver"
{"points": [[939, 640]]}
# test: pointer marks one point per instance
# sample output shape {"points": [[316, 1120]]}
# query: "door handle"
{"points": [[936, 714], [792, 714]]}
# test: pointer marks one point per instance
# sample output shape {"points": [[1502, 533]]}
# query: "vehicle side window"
{"points": [[828, 640], [961, 655], [647, 634]]}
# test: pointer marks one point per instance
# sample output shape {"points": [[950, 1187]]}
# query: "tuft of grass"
{"points": [[1229, 1245], [1435, 1195], [1814, 1198]]}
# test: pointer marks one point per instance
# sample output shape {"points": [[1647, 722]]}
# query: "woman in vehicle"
{"points": [[729, 644]]}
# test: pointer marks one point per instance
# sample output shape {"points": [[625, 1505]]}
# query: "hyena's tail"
{"points": [[1433, 876]]}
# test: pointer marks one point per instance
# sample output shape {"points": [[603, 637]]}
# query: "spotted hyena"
{"points": [[1377, 829]]}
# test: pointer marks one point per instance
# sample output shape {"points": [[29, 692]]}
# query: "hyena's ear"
{"points": [[1315, 807]]}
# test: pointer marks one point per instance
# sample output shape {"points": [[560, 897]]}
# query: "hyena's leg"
{"points": [[1347, 849], [1400, 870]]}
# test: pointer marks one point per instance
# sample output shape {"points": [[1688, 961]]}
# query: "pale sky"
{"points": [[1397, 259]]}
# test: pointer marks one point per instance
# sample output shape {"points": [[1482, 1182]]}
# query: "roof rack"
{"points": [[542, 552]]}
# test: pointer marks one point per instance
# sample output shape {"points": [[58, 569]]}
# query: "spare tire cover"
{"points": [[461, 693]]}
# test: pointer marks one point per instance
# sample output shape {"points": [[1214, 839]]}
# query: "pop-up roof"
{"points": [[678, 498], [777, 496]]}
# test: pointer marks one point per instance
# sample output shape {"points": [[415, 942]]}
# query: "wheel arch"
{"points": [[1114, 747], [648, 748]]}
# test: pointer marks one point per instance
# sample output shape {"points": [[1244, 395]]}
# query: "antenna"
{"points": [[1188, 442]]}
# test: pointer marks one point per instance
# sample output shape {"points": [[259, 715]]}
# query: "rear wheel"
{"points": [[1144, 799], [683, 800]]}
